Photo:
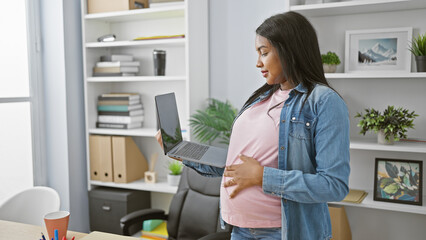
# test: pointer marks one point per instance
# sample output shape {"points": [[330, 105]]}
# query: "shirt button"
{"points": [[293, 118], [282, 147], [307, 124], [283, 121]]}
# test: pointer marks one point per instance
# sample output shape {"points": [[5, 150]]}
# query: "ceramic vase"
{"points": [[329, 68], [421, 63], [382, 140], [173, 180]]}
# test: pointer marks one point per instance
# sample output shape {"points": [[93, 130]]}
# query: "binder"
{"points": [[100, 158], [340, 227], [128, 162]]}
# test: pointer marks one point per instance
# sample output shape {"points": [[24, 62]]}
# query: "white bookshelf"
{"points": [[369, 202], [357, 7], [161, 186], [139, 43], [374, 89], [186, 72], [137, 79], [384, 75], [400, 146]]}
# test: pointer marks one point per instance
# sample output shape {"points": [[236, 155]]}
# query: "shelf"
{"points": [[368, 202], [400, 146], [139, 43], [375, 75], [137, 132], [162, 11], [357, 7], [161, 186], [136, 79]]}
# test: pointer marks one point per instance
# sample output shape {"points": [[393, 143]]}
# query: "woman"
{"points": [[289, 149]]}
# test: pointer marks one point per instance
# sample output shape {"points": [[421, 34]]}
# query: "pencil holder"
{"points": [[150, 177]]}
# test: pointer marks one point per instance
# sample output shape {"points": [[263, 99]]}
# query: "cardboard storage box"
{"points": [[98, 6], [108, 205]]}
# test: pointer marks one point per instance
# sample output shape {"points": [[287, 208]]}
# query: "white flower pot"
{"points": [[173, 180], [329, 68], [382, 140]]}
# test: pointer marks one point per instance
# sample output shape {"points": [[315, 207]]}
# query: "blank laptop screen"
{"points": [[168, 118]]}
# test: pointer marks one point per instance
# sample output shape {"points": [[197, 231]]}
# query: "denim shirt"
{"points": [[313, 161]]}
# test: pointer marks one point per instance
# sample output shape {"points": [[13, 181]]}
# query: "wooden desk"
{"points": [[21, 231]]}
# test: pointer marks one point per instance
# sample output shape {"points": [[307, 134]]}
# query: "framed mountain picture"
{"points": [[378, 50]]}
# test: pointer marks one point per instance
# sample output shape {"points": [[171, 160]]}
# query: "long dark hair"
{"points": [[295, 40]]}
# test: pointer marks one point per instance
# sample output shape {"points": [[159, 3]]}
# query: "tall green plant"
{"points": [[418, 45], [213, 122]]}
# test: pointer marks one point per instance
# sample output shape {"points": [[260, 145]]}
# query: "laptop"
{"points": [[173, 143]]}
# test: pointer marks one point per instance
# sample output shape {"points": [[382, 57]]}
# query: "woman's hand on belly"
{"points": [[244, 175]]}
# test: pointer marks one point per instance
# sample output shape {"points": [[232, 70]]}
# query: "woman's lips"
{"points": [[264, 73]]}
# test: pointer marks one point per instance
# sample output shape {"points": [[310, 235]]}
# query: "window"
{"points": [[17, 101]]}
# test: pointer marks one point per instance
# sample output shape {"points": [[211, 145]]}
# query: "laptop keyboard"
{"points": [[191, 150]]}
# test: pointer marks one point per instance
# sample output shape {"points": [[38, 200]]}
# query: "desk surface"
{"points": [[20, 231]]}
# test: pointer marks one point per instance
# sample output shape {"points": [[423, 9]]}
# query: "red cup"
{"points": [[57, 220]]}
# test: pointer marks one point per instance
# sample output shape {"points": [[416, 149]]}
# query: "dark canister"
{"points": [[421, 63], [159, 62]]}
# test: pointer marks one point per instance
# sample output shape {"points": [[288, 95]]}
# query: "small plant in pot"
{"points": [[330, 62], [418, 48], [175, 170], [390, 126]]}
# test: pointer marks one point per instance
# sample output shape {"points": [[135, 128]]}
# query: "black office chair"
{"points": [[193, 212]]}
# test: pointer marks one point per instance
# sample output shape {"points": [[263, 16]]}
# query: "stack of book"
{"points": [[116, 65], [120, 110], [355, 196], [159, 232]]}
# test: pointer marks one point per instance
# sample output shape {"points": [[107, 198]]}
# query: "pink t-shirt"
{"points": [[254, 134]]}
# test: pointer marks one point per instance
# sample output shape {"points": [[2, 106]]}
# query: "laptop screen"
{"points": [[168, 119]]}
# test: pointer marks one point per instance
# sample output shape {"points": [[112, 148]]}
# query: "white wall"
{"points": [[233, 72], [233, 76], [64, 109]]}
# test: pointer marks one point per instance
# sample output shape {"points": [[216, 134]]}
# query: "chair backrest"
{"points": [[30, 205], [194, 210]]}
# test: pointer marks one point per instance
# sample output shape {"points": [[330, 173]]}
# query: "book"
{"points": [[160, 37], [119, 108], [127, 113], [120, 119], [116, 58], [149, 225], [107, 74], [118, 102], [160, 232], [119, 96], [118, 64], [355, 196], [119, 125], [115, 69]]}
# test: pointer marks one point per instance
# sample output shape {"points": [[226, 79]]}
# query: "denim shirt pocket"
{"points": [[301, 125]]}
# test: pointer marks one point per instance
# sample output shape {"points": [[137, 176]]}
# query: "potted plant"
{"points": [[330, 61], [213, 122], [175, 168], [390, 126], [418, 48]]}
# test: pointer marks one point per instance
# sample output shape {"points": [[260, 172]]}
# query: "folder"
{"points": [[100, 158], [339, 223], [128, 162]]}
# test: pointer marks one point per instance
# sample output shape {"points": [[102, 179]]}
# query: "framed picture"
{"points": [[398, 181], [378, 50]]}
